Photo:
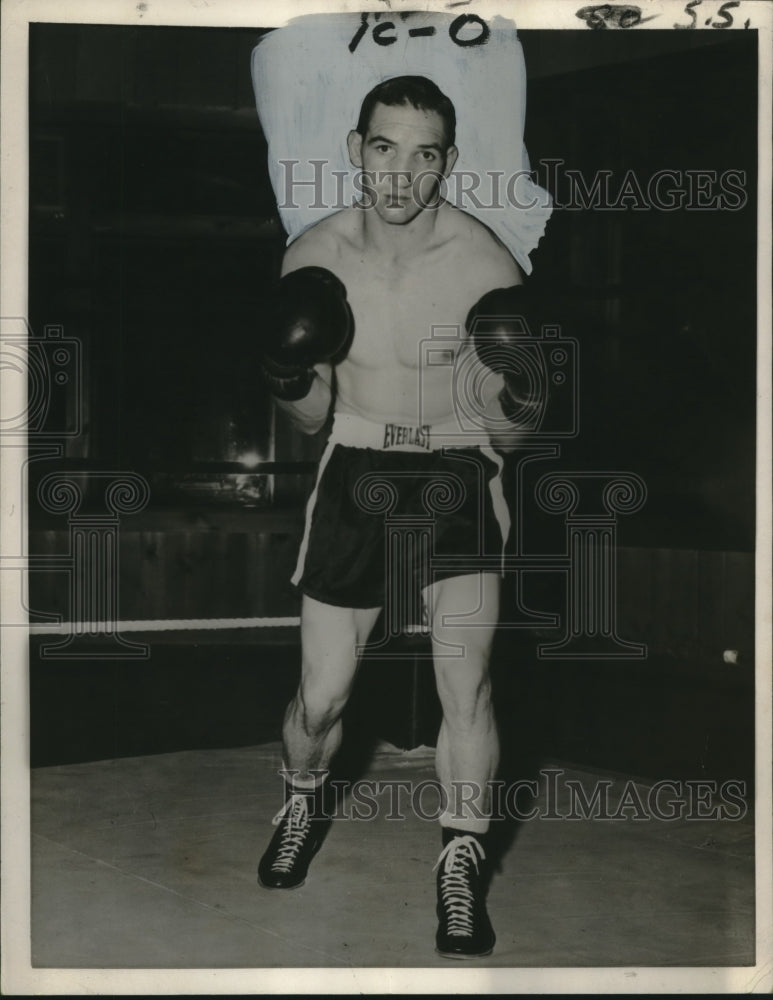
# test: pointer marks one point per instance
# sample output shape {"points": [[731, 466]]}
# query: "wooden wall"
{"points": [[688, 604]]}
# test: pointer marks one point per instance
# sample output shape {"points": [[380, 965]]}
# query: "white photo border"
{"points": [[18, 975]]}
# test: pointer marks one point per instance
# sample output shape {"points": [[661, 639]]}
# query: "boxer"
{"points": [[359, 291]]}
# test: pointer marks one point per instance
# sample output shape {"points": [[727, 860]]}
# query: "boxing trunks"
{"points": [[396, 499]]}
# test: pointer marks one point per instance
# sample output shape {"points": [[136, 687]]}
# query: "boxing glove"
{"points": [[499, 325], [309, 322]]}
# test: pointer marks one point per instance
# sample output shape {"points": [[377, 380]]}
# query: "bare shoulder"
{"points": [[319, 246], [483, 250]]}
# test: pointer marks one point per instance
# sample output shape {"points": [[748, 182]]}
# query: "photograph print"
{"points": [[387, 468]]}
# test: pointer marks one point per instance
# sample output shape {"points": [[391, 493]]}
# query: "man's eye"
{"points": [[382, 149], [428, 156]]}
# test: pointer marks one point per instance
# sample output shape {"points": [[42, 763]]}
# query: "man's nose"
{"points": [[403, 172]]}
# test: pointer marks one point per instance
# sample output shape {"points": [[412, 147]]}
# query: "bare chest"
{"points": [[399, 308]]}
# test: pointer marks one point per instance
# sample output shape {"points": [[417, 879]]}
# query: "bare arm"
{"points": [[310, 413], [503, 435]]}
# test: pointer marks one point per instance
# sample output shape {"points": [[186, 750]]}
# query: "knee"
{"points": [[465, 698], [318, 707]]}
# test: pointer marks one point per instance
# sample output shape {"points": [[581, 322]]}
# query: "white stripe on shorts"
{"points": [[295, 578], [501, 510]]}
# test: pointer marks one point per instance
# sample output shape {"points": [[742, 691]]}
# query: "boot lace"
{"points": [[295, 813], [455, 889]]}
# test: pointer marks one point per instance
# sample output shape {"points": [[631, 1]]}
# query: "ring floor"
{"points": [[149, 862]]}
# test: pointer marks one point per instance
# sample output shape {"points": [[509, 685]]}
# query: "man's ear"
{"points": [[451, 157], [354, 144]]}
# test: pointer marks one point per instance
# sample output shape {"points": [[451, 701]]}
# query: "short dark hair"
{"points": [[422, 93]]}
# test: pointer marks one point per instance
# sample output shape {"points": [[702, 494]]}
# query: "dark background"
{"points": [[153, 240]]}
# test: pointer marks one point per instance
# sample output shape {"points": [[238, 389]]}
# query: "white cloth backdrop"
{"points": [[310, 78]]}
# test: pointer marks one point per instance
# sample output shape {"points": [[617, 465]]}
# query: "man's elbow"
{"points": [[506, 441], [310, 413], [310, 425]]}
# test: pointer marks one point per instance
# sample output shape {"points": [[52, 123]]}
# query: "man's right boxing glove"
{"points": [[310, 322]]}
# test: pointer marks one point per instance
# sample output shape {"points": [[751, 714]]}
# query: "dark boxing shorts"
{"points": [[393, 500]]}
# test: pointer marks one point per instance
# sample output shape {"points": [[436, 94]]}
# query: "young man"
{"points": [[360, 291]]}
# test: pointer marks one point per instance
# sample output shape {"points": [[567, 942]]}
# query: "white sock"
{"points": [[299, 784], [469, 824]]}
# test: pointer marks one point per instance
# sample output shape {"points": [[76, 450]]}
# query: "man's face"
{"points": [[403, 156]]}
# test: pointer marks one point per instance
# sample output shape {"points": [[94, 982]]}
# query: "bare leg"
{"points": [[312, 723], [468, 746], [466, 759], [312, 734]]}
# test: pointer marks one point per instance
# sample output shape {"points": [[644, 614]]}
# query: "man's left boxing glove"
{"points": [[309, 323], [500, 326]]}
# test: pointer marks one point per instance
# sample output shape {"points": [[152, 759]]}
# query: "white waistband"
{"points": [[355, 431]]}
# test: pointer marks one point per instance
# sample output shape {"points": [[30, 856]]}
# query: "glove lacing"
{"points": [[455, 890]]}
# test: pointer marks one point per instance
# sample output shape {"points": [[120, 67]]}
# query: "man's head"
{"points": [[418, 91], [404, 143]]}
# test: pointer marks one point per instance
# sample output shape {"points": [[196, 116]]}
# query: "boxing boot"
{"points": [[301, 826], [464, 929]]}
